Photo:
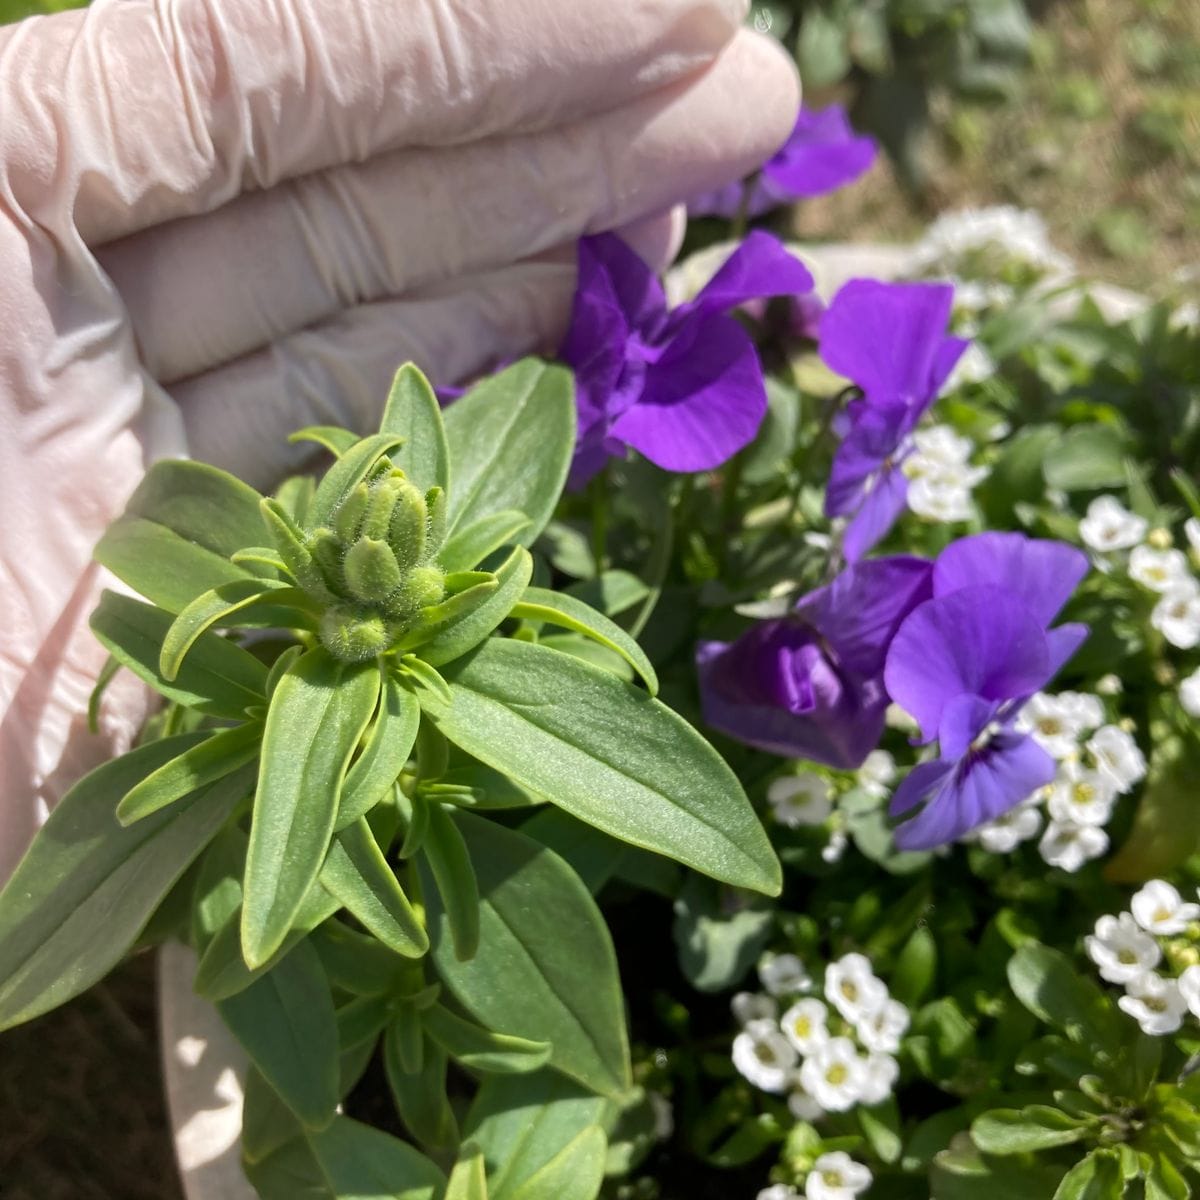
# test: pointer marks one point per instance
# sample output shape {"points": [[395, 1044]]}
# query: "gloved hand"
{"points": [[221, 220]]}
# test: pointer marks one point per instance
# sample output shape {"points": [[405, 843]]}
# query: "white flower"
{"points": [[783, 974], [882, 1030], [1189, 988], [803, 799], [833, 1075], [991, 238], [764, 1056], [1069, 846], [803, 1107], [1189, 694], [753, 1006], [1155, 1003], [939, 498], [1056, 722], [940, 445], [940, 477], [804, 1025], [1177, 615], [853, 988], [1109, 525], [836, 1176], [1109, 685], [664, 1115], [975, 365], [1120, 949], [882, 1071], [1118, 756], [1159, 908], [1082, 795], [1010, 829], [779, 1191], [1158, 570], [878, 772], [1084, 710], [836, 846]]}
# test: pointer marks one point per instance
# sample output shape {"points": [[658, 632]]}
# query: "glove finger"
{"points": [[209, 289], [133, 112]]}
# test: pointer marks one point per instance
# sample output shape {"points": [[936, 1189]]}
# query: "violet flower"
{"points": [[890, 340], [685, 388], [963, 664], [810, 684], [822, 154]]}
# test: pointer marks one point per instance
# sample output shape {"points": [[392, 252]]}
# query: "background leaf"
{"points": [[412, 411]]}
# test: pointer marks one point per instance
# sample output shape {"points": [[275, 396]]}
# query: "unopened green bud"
{"points": [[435, 505], [407, 534], [371, 570], [353, 634], [422, 587], [350, 513], [327, 551], [383, 495]]}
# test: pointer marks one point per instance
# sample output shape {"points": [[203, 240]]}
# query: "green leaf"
{"points": [[545, 967], [217, 893], [451, 612], [611, 592], [412, 411], [822, 50], [87, 885], [1019, 1131], [286, 1023], [592, 855], [511, 442], [538, 1137], [880, 1124], [718, 941], [424, 676], [334, 438], [554, 608], [317, 715], [1097, 1177], [608, 754], [454, 639], [357, 873], [445, 852], [482, 1049], [110, 668], [1085, 458], [345, 474], [360, 964], [420, 1095], [199, 765], [388, 746], [916, 968], [1047, 983], [471, 544], [467, 1180], [289, 1172], [218, 677], [267, 1123], [362, 1163], [178, 530]]}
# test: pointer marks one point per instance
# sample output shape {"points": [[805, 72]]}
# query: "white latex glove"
{"points": [[221, 220]]}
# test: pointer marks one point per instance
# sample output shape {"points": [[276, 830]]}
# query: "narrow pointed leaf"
{"points": [[290, 542], [345, 474], [86, 886], [511, 442], [178, 530], [259, 559], [467, 1179], [362, 1163], [426, 676], [412, 411], [217, 756], [545, 969], [420, 1096], [218, 677], [449, 613], [360, 964], [333, 438], [554, 608], [446, 854], [608, 754], [356, 872], [294, 496], [317, 715], [482, 1049], [407, 1038], [217, 894], [289, 1172], [112, 665], [574, 1173], [415, 810], [471, 544]]}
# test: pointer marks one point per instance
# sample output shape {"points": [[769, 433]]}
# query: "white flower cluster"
{"points": [[806, 799], [1110, 527], [1126, 949], [1097, 763], [815, 1056], [940, 475], [834, 1176], [984, 241]]}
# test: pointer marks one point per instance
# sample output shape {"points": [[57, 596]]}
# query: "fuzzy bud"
{"points": [[408, 528], [371, 570], [351, 512], [422, 587], [352, 634], [382, 500], [326, 549]]}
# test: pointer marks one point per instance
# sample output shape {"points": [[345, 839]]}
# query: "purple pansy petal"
{"points": [[945, 359], [981, 641], [859, 612], [822, 154], [918, 784], [886, 337], [873, 436], [760, 267], [1062, 642], [727, 201], [1042, 573], [702, 401], [963, 719], [634, 286], [982, 787], [880, 509]]}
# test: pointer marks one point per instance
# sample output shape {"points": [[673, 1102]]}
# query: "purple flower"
{"points": [[964, 662], [821, 155], [890, 340], [810, 684], [685, 387]]}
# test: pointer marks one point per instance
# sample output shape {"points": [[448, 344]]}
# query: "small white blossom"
{"points": [[882, 1030], [940, 477], [1069, 846], [1082, 795], [1158, 908], [853, 988], [1155, 1003], [803, 799], [784, 974], [1109, 525], [1118, 756], [764, 1056], [1177, 615], [1189, 989], [803, 1107], [1189, 694], [779, 1191], [833, 1075], [990, 239], [1158, 570], [836, 1176], [1121, 950], [1109, 685], [975, 365], [804, 1025], [753, 1006], [836, 846], [941, 445], [1057, 722], [939, 498], [1084, 710], [878, 772], [879, 1078], [1010, 829]]}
